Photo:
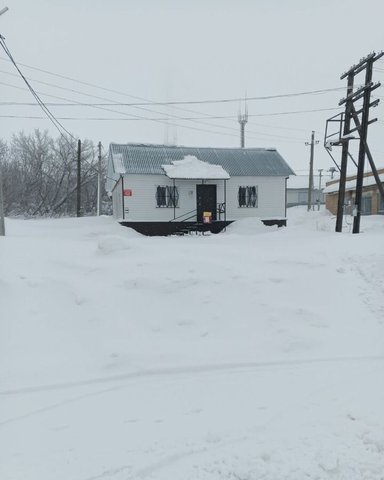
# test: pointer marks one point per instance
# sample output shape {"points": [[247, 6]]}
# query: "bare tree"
{"points": [[40, 175]]}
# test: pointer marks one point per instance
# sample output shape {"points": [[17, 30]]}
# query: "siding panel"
{"points": [[142, 205]]}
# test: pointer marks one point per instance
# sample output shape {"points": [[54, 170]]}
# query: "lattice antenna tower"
{"points": [[242, 118]]}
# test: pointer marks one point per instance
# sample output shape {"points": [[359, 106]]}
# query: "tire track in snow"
{"points": [[53, 406], [188, 370]]}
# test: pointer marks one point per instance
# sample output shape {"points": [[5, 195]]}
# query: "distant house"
{"points": [[159, 189], [297, 190], [372, 203]]}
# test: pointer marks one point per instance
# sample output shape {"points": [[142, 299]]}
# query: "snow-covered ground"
{"points": [[254, 354]]}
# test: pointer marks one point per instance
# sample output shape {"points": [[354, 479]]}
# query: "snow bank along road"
{"points": [[256, 353]]}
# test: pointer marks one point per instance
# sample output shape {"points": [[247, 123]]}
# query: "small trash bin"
{"points": [[207, 217]]}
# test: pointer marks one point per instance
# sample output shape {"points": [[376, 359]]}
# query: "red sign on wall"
{"points": [[127, 192]]}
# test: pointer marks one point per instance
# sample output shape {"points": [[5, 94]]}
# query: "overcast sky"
{"points": [[176, 50]]}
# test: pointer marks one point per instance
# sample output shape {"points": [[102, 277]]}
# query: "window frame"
{"points": [[248, 196], [167, 196]]}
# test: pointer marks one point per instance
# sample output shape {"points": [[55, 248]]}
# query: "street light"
{"points": [[2, 222]]}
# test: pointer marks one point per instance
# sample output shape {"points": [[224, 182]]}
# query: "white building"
{"points": [[298, 186], [159, 189]]}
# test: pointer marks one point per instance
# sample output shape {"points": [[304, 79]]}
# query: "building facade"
{"points": [[297, 190], [372, 202], [162, 184]]}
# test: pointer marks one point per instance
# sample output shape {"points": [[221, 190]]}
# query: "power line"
{"points": [[102, 88], [121, 113], [154, 119], [81, 104], [195, 102], [35, 117], [159, 119], [294, 112], [147, 102], [159, 104], [207, 116], [50, 116]]}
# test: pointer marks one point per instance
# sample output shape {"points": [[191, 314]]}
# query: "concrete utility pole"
{"points": [[2, 221], [78, 196], [320, 170], [99, 182], [310, 183]]}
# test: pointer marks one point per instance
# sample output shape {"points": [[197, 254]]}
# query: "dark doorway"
{"points": [[206, 201]]}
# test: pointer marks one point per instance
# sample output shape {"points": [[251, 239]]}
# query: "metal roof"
{"points": [[148, 159]]}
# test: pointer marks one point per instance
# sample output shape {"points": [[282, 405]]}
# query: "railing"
{"points": [[221, 208], [180, 218]]}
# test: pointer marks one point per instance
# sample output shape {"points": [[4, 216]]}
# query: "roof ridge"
{"points": [[159, 145]]}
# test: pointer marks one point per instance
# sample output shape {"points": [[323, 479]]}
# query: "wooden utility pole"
{"points": [[346, 131], [363, 140], [319, 199], [78, 197], [310, 183], [344, 153], [99, 182]]}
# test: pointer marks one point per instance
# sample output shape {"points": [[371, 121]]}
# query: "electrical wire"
{"points": [[148, 102], [195, 102], [162, 120], [50, 116], [171, 103], [45, 109], [123, 113]]}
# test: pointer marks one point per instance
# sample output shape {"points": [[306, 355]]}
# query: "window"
{"points": [[247, 197], [366, 205], [303, 198], [167, 197], [380, 204]]}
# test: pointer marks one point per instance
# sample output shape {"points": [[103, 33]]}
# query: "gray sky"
{"points": [[164, 50]]}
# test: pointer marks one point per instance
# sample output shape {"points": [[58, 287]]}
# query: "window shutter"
{"points": [[161, 196], [252, 197], [170, 200], [241, 196]]}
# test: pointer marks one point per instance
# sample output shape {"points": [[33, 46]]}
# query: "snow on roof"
{"points": [[351, 184], [118, 164], [191, 167]]}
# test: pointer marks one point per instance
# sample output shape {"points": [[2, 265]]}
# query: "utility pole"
{"points": [[99, 182], [320, 170], [344, 153], [362, 146], [310, 183], [2, 221], [78, 196], [345, 134]]}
